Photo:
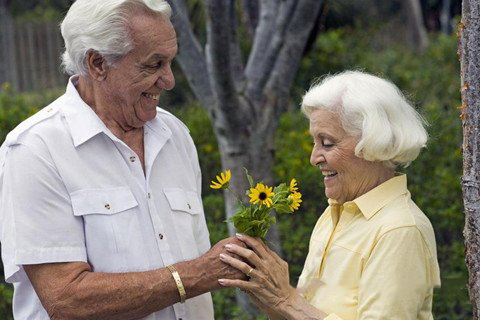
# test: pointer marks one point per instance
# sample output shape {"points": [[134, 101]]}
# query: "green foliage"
{"points": [[14, 108], [432, 81], [6, 295]]}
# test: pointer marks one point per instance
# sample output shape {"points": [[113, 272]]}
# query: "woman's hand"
{"points": [[269, 279]]}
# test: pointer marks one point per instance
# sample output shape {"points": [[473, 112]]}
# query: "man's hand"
{"points": [[215, 268]]}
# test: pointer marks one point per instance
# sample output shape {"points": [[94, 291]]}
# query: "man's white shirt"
{"points": [[71, 191]]}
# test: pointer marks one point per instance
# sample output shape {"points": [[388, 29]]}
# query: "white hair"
{"points": [[374, 110], [103, 26]]}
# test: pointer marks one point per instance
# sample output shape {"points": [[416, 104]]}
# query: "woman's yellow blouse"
{"points": [[373, 258]]}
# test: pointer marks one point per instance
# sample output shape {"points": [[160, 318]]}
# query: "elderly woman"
{"points": [[372, 253]]}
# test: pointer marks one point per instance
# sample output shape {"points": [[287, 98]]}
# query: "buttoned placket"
{"points": [[152, 149], [341, 216], [153, 145], [335, 215]]}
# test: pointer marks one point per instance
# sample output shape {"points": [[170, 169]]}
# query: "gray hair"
{"points": [[103, 26], [374, 110]]}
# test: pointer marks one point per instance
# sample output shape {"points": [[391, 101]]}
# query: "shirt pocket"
{"points": [[110, 217], [186, 209]]}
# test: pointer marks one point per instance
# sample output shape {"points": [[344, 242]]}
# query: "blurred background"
{"points": [[416, 50]]}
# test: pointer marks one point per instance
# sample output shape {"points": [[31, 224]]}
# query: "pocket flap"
{"points": [[181, 200], [102, 201]]}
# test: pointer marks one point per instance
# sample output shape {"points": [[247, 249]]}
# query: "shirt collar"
{"points": [[84, 123], [374, 200], [371, 202]]}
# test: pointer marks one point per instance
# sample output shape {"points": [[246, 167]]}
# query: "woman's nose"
{"points": [[317, 157]]}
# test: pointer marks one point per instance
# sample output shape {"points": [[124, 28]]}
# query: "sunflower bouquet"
{"points": [[255, 219]]}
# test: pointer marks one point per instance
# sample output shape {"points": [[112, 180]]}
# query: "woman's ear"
{"points": [[97, 65]]}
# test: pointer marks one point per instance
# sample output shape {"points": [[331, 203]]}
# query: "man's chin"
{"points": [[146, 115]]}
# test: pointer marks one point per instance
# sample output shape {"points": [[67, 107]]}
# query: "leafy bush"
{"points": [[432, 81]]}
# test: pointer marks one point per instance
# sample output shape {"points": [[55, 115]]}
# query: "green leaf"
{"points": [[249, 178], [282, 208]]}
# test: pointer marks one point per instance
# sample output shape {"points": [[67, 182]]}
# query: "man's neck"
{"points": [[90, 94]]}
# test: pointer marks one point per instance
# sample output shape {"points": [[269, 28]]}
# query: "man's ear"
{"points": [[97, 65]]}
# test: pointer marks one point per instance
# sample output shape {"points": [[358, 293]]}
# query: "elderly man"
{"points": [[101, 214]]}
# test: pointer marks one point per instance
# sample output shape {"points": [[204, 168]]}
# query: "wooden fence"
{"points": [[30, 55]]}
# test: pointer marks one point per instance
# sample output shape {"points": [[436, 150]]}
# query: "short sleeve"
{"points": [[396, 282], [37, 221]]}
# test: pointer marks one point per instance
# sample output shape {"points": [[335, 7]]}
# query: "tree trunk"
{"points": [[7, 46], [417, 32], [445, 17], [469, 51], [245, 101]]}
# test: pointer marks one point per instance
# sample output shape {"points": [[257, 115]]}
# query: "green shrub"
{"points": [[432, 81]]}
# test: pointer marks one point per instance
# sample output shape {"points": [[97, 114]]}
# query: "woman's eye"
{"points": [[327, 144]]}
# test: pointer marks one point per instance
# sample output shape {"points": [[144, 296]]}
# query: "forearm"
{"points": [[132, 295], [297, 308], [98, 295]]}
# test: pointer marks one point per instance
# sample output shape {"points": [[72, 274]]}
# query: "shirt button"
{"points": [[148, 195], [107, 206], [160, 236], [189, 206], [132, 159]]}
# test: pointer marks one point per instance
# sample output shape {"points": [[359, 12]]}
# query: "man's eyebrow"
{"points": [[157, 56]]}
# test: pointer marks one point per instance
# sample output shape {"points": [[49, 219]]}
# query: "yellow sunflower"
{"points": [[261, 194], [223, 180], [295, 199], [293, 186]]}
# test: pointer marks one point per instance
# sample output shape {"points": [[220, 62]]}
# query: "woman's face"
{"points": [[346, 176]]}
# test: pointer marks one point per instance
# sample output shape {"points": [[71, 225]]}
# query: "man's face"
{"points": [[134, 84]]}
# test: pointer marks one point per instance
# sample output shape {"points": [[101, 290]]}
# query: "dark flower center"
{"points": [[262, 196]]}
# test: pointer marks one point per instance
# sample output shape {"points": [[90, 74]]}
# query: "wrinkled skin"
{"points": [[117, 92], [269, 281], [334, 151]]}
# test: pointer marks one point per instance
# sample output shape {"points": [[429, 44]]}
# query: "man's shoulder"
{"points": [[172, 121], [34, 123]]}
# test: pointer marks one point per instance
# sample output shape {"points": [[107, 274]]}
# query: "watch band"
{"points": [[178, 282]]}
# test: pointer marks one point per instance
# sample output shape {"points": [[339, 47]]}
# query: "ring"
{"points": [[249, 272]]}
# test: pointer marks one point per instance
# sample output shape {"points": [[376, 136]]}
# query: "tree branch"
{"points": [[220, 65], [289, 58], [251, 10], [269, 39], [190, 55], [235, 52]]}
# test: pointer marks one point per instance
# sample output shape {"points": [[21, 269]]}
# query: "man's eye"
{"points": [[153, 66]]}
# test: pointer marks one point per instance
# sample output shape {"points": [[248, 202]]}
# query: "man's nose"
{"points": [[167, 79]]}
